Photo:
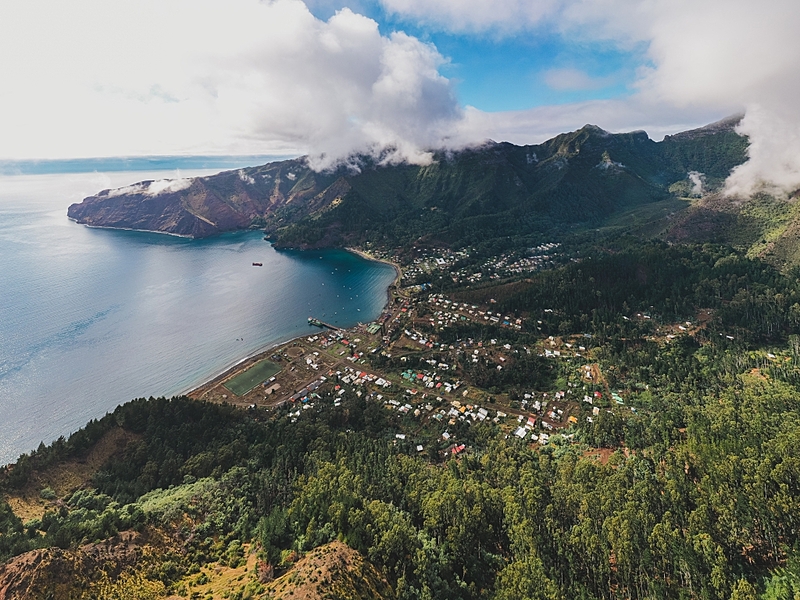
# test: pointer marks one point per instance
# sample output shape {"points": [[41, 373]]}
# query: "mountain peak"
{"points": [[594, 129]]}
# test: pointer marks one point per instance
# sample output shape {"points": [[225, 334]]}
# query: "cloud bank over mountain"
{"points": [[705, 59], [92, 78]]}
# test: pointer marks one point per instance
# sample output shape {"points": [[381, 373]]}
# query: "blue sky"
{"points": [[508, 71], [330, 78], [512, 73]]}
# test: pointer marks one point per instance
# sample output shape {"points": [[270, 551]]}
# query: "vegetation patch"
{"points": [[258, 373], [331, 571], [45, 487]]}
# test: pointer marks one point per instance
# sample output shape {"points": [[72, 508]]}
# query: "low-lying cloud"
{"points": [[153, 188]]}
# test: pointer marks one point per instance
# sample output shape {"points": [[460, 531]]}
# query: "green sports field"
{"points": [[244, 382]]}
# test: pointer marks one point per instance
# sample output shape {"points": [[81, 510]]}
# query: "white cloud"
{"points": [[137, 77], [133, 77], [153, 188], [704, 59], [710, 53], [774, 164], [698, 181]]}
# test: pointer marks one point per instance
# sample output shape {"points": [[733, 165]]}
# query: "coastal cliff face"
{"points": [[490, 191], [205, 206]]}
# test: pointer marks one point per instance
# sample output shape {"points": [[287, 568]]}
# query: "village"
{"points": [[406, 362], [462, 267], [447, 370]]}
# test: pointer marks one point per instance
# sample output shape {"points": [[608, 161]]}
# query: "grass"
{"points": [[244, 382], [647, 219]]}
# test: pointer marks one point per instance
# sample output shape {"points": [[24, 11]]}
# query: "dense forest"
{"points": [[689, 490]]}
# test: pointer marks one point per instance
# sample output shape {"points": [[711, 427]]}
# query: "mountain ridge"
{"points": [[492, 190]]}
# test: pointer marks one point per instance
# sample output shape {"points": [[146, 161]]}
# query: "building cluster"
{"points": [[448, 312], [433, 260], [507, 265], [405, 365]]}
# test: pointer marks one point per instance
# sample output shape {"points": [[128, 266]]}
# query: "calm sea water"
{"points": [[91, 318]]}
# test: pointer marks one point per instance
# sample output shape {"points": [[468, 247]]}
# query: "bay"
{"points": [[91, 318]]}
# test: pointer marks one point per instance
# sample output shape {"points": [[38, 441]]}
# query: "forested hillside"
{"points": [[678, 478], [572, 181]]}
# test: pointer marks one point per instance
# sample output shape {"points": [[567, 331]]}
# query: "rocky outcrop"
{"points": [[205, 206], [331, 571], [57, 573]]}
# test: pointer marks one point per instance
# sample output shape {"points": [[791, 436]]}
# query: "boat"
{"points": [[258, 264]]}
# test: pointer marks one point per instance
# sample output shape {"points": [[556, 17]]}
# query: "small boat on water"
{"points": [[258, 264]]}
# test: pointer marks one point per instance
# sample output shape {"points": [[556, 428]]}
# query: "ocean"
{"points": [[91, 318]]}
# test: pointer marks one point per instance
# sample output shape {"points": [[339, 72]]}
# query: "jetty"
{"points": [[318, 323]]}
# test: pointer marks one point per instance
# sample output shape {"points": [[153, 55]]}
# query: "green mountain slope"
{"points": [[576, 179], [764, 226]]}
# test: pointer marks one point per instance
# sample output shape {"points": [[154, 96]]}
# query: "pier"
{"points": [[318, 323]]}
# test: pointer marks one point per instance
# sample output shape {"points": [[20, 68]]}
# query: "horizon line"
{"points": [[156, 162]]}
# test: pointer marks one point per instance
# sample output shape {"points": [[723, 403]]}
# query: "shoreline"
{"points": [[233, 364], [367, 256], [263, 352], [255, 357], [178, 235]]}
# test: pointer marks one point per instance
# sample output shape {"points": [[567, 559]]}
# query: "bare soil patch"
{"points": [[64, 478]]}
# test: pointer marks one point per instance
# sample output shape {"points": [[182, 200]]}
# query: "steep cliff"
{"points": [[206, 206]]}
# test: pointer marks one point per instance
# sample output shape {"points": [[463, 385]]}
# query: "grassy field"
{"points": [[244, 382], [645, 220]]}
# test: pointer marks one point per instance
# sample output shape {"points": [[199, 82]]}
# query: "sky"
{"points": [[329, 78]]}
